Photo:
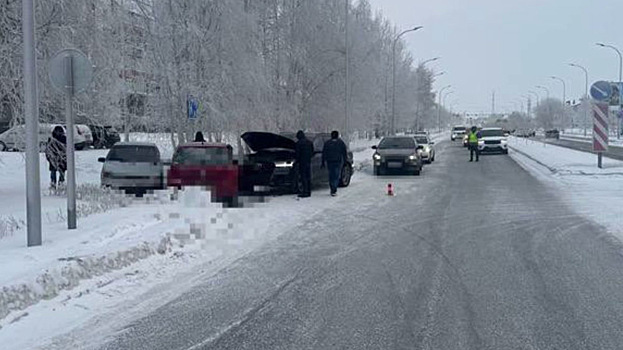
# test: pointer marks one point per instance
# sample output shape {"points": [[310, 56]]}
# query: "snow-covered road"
{"points": [[469, 255]]}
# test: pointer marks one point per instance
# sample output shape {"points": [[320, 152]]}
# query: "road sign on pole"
{"points": [[192, 106], [70, 72], [600, 130], [601, 91]]}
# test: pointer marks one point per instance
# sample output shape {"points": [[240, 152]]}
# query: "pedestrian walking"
{"points": [[472, 143], [56, 154], [304, 154], [334, 155]]}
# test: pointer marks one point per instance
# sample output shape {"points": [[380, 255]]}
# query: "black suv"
{"points": [[104, 136]]}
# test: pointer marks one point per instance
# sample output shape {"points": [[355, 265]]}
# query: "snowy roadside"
{"points": [[152, 239], [594, 193]]}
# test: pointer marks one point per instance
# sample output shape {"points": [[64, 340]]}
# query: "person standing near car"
{"points": [[304, 154], [334, 155], [472, 142], [199, 137], [56, 154]]}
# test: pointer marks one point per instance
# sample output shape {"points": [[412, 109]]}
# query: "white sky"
{"points": [[510, 45]]}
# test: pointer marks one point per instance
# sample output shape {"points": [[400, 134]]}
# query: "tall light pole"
{"points": [[439, 105], [585, 102], [620, 78], [564, 88], [347, 75], [564, 97], [423, 63], [538, 97], [31, 113], [393, 121], [545, 89]]}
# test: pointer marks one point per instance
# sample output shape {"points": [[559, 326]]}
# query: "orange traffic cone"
{"points": [[390, 190]]}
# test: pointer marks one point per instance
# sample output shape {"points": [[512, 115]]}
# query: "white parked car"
{"points": [[15, 138], [133, 166], [427, 151], [458, 132], [492, 140]]}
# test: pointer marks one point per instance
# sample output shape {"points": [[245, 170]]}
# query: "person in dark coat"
{"points": [[304, 154], [56, 154], [199, 137], [334, 155]]}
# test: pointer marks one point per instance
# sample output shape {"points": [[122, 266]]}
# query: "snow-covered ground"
{"points": [[594, 193], [135, 246]]}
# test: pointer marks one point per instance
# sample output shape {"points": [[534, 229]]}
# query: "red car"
{"points": [[206, 164]]}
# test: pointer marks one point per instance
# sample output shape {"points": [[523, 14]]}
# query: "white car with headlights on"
{"points": [[492, 140], [427, 151], [397, 153]]}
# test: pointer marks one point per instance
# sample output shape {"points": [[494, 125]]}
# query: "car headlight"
{"points": [[413, 157], [481, 142], [426, 148], [376, 156], [504, 141], [284, 165]]}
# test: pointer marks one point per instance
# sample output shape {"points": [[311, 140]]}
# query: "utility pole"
{"points": [[31, 113], [347, 78], [493, 103]]}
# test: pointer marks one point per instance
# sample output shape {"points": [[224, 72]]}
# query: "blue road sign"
{"points": [[192, 107], [601, 90]]}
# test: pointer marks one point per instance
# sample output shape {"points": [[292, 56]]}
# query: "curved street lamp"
{"points": [[585, 93], [393, 120], [620, 78], [439, 105], [545, 89]]}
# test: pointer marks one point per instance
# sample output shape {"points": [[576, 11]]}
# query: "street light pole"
{"points": [[439, 106], [347, 77], [620, 79], [423, 63], [393, 120], [545, 89], [564, 96], [538, 97], [585, 102], [31, 114]]}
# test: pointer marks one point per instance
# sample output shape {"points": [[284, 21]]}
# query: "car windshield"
{"points": [[459, 128], [133, 154], [491, 133], [397, 143], [421, 140], [202, 156]]}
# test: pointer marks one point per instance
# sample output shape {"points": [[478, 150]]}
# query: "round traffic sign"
{"points": [[70, 71], [601, 90]]}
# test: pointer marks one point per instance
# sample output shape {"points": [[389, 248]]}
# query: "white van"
{"points": [[15, 138]]}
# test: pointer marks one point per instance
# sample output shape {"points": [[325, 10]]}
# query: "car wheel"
{"points": [[417, 172], [347, 173], [505, 151], [3, 147]]}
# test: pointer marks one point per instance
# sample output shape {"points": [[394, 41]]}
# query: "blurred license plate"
{"points": [[394, 164]]}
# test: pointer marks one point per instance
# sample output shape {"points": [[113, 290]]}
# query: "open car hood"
{"points": [[257, 141]]}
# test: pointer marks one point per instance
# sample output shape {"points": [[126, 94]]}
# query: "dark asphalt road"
{"points": [[580, 145], [467, 256]]}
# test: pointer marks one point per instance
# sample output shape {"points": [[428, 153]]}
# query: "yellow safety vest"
{"points": [[473, 137]]}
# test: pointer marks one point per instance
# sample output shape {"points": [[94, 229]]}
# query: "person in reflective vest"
{"points": [[472, 142]]}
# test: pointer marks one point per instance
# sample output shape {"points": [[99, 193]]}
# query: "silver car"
{"points": [[133, 167], [427, 149]]}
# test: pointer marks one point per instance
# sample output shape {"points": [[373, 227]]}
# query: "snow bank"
{"points": [[595, 193], [120, 231]]}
